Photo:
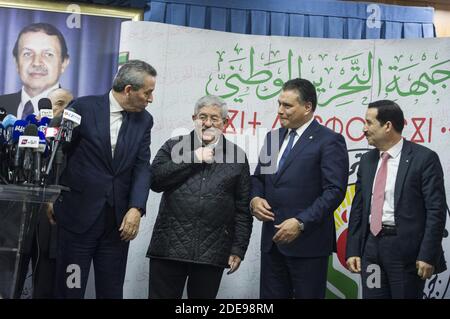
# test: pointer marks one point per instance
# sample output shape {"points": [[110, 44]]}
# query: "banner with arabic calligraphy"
{"points": [[248, 72]]}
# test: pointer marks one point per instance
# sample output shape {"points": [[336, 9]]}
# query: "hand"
{"points": [[234, 262], [288, 231], [50, 213], [130, 224], [261, 209], [204, 154], [424, 270], [354, 264]]}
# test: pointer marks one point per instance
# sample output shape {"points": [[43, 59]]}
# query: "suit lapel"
{"points": [[306, 138], [101, 112], [403, 167], [274, 156]]}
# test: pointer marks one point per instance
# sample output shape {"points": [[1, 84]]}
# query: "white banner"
{"points": [[248, 72]]}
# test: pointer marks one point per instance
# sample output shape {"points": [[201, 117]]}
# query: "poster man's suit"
{"points": [[10, 102]]}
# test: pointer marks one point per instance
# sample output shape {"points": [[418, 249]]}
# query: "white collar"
{"points": [[395, 150], [35, 100]]}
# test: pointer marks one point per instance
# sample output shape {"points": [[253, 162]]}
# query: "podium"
{"points": [[19, 209]]}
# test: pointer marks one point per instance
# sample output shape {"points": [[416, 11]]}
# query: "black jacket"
{"points": [[204, 214], [10, 102]]}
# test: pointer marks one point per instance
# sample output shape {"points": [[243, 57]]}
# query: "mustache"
{"points": [[38, 69], [209, 129]]}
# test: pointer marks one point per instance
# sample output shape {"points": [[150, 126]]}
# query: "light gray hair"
{"points": [[131, 73], [211, 100]]}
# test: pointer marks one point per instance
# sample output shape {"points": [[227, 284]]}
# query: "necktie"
{"points": [[378, 196], [288, 148], [27, 109], [122, 130]]}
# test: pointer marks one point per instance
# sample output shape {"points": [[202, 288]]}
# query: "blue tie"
{"points": [[288, 148], [27, 109]]}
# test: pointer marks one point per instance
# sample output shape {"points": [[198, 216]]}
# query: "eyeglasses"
{"points": [[214, 119]]}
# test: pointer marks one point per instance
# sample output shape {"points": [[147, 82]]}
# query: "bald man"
{"points": [[60, 98]]}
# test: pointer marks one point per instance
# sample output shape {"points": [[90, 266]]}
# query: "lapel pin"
{"points": [[311, 137]]}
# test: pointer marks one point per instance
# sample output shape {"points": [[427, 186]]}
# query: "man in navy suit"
{"points": [[41, 57], [301, 178], [397, 219], [108, 172]]}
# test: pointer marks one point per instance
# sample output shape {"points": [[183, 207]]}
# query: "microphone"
{"points": [[39, 153], [31, 119], [17, 132], [8, 124], [9, 147], [3, 113], [29, 141], [45, 108], [3, 154], [69, 121], [43, 123], [2, 134]]}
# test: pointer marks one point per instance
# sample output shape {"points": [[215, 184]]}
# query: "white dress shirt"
{"points": [[392, 169], [115, 120], [299, 131], [34, 100]]}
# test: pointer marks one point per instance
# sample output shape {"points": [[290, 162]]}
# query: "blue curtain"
{"points": [[323, 19], [117, 3], [92, 49]]}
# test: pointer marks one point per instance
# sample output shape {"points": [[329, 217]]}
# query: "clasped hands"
{"points": [[287, 231]]}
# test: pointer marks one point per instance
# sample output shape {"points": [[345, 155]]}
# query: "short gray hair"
{"points": [[211, 100], [131, 73]]}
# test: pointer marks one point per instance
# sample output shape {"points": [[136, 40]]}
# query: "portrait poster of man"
{"points": [[78, 52], [45, 46]]}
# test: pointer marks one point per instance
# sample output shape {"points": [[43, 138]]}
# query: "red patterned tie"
{"points": [[378, 196]]}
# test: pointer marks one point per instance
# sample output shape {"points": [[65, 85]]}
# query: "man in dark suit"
{"points": [[397, 219], [108, 172], [41, 58], [301, 178]]}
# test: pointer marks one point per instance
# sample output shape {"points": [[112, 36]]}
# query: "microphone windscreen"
{"points": [[31, 130], [19, 128], [56, 121], [45, 103], [31, 119], [9, 120], [44, 121]]}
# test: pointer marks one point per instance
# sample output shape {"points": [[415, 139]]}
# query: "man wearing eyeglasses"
{"points": [[204, 223]]}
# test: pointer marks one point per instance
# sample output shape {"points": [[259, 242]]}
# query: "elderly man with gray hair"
{"points": [[204, 223]]}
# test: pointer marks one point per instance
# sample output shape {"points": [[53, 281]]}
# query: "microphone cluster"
{"points": [[30, 149]]}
